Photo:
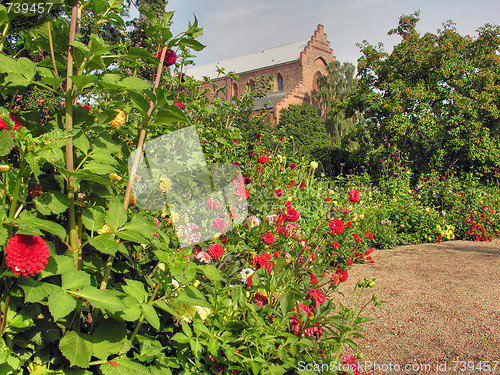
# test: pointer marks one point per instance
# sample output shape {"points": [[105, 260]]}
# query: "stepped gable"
{"points": [[295, 67]]}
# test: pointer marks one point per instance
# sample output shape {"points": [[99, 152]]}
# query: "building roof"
{"points": [[269, 101], [251, 61]]}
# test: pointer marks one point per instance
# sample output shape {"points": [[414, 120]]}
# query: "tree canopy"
{"points": [[436, 96]]}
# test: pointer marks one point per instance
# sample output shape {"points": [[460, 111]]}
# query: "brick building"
{"points": [[295, 68]]}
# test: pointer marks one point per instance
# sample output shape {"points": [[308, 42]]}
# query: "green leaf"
{"points": [[191, 43], [54, 202], [151, 316], [98, 168], [82, 82], [135, 83], [81, 142], [211, 272], [6, 142], [130, 235], [61, 304], [139, 100], [8, 64], [117, 214], [136, 290], [168, 115], [101, 298], [105, 243], [29, 223], [109, 337], [135, 53], [93, 218], [75, 279], [124, 366], [77, 348], [142, 225], [188, 300], [35, 291], [3, 235]]}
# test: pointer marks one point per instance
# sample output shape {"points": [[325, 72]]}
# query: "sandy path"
{"points": [[441, 304]]}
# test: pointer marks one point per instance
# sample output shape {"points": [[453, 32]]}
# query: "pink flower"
{"points": [[349, 363], [292, 230], [219, 223], [203, 257], [180, 105], [317, 296]]}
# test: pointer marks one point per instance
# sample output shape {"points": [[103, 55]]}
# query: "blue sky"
{"points": [[236, 27]]}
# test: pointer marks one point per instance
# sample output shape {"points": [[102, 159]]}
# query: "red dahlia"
{"points": [[26, 254], [354, 196], [317, 296], [180, 105], [342, 274], [260, 299], [262, 260], [292, 215], [337, 226], [170, 57], [215, 250], [268, 238]]}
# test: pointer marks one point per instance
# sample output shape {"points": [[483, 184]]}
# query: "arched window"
{"points": [[235, 89], [251, 84], [278, 82]]}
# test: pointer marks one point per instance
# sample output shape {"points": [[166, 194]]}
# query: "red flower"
{"points": [[26, 254], [180, 105], [249, 281], [263, 159], [268, 238], [213, 204], [257, 136], [335, 245], [219, 223], [292, 166], [279, 193], [317, 296], [260, 299], [314, 280], [343, 274], [354, 196], [215, 250], [349, 262], [302, 185], [170, 57], [262, 260], [292, 215], [335, 279], [337, 226], [328, 199], [260, 169], [370, 236], [291, 183], [356, 237]]}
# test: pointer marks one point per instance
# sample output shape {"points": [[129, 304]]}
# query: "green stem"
{"points": [[141, 319], [73, 233], [17, 189]]}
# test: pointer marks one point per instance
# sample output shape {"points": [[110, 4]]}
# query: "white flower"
{"points": [[254, 221], [203, 257], [245, 273], [272, 219]]}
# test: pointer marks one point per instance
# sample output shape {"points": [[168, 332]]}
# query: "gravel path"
{"points": [[441, 303]]}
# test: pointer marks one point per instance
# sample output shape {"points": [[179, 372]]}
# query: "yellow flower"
{"points": [[105, 229], [188, 312], [370, 199], [119, 119], [394, 200], [216, 237], [114, 177], [163, 214], [262, 291], [174, 216], [361, 203], [427, 209], [335, 203], [165, 184], [362, 216], [419, 196], [314, 165]]}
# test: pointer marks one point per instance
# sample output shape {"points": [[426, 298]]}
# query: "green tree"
{"points": [[307, 128], [336, 85], [435, 96]]}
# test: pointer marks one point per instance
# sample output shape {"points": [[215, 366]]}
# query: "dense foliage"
{"points": [[435, 95]]}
